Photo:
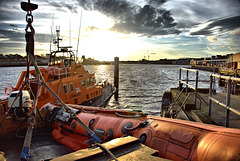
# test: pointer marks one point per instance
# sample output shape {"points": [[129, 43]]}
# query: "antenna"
{"points": [[51, 39], [58, 35], [79, 33], [70, 32]]}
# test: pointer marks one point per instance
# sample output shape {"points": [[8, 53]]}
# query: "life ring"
{"points": [[8, 89]]}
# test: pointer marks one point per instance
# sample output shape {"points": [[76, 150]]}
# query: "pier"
{"points": [[203, 104]]}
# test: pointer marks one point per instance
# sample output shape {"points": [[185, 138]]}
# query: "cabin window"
{"points": [[87, 96], [96, 92], [83, 83], [65, 88], [88, 81], [71, 87], [93, 80]]}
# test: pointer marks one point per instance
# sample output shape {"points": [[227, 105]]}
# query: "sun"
{"points": [[104, 45]]}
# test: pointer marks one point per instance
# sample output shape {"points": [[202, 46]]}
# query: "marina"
{"points": [[127, 101]]}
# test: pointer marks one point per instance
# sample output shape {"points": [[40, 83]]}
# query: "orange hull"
{"points": [[174, 139]]}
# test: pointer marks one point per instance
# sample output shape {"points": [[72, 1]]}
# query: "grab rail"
{"points": [[130, 115], [228, 96], [181, 82], [58, 71]]}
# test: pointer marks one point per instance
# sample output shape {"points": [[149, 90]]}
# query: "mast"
{"points": [[80, 25]]}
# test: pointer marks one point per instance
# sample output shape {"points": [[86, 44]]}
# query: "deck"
{"points": [[199, 112]]}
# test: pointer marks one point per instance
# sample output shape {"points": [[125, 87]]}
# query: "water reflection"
{"points": [[140, 86]]}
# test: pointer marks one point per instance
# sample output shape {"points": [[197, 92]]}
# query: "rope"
{"points": [[106, 150]]}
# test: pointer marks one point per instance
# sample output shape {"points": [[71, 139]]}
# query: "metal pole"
{"points": [[196, 87], [187, 83], [228, 101], [235, 83], [179, 79], [116, 76], [210, 96]]}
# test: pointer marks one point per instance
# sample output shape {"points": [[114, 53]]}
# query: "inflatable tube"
{"points": [[174, 139]]}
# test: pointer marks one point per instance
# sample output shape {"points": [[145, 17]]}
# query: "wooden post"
{"points": [[228, 102], [116, 76], [210, 96], [179, 79]]}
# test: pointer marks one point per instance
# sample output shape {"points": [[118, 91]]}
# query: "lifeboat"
{"points": [[173, 139], [67, 77]]}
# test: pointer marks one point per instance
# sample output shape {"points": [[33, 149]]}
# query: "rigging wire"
{"points": [[79, 31]]}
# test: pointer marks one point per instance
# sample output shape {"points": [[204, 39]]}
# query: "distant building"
{"points": [[233, 61]]}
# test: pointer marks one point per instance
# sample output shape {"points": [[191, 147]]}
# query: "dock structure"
{"points": [[203, 105], [228, 65], [199, 112]]}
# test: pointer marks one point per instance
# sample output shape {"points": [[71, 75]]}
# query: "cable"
{"points": [[108, 151]]}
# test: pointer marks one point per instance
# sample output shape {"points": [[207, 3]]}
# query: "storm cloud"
{"points": [[62, 5], [149, 19], [218, 26]]}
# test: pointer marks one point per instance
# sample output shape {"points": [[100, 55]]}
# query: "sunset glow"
{"points": [[127, 29]]}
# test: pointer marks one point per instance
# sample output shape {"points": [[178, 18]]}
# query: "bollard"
{"points": [[116, 76]]}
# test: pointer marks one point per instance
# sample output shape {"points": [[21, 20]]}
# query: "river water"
{"points": [[141, 86]]}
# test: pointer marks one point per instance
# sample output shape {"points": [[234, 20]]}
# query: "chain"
{"points": [[29, 34]]}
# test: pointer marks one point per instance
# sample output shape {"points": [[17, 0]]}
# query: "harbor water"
{"points": [[141, 86]]}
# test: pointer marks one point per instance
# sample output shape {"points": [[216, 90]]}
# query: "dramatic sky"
{"points": [[129, 29]]}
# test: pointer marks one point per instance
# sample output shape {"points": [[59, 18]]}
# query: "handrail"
{"points": [[197, 95], [181, 82], [131, 115], [57, 71], [228, 96]]}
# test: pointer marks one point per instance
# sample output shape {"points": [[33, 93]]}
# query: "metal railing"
{"points": [[228, 96], [196, 95], [62, 71], [181, 82]]}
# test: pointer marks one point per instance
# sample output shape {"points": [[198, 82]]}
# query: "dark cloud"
{"points": [[11, 15], [15, 36], [12, 35], [148, 20], [6, 4], [156, 3], [118, 9], [16, 39], [61, 5], [129, 17], [219, 26]]}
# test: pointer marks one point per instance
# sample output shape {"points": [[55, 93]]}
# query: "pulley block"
{"points": [[28, 6]]}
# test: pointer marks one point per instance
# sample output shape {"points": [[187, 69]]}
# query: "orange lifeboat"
{"points": [[174, 139], [67, 77]]}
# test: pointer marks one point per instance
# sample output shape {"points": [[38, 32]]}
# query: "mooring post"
{"points": [[187, 82], [228, 97], [196, 86], [210, 96], [179, 79], [116, 76]]}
